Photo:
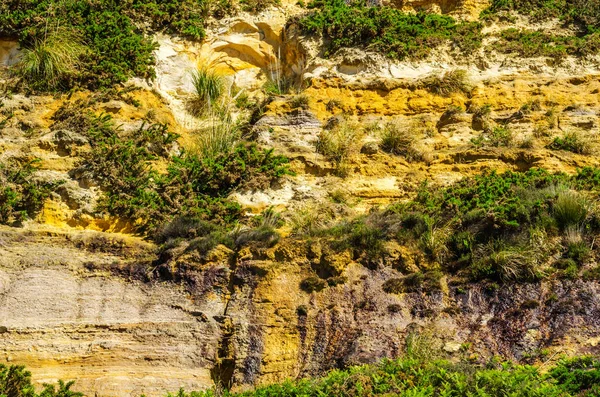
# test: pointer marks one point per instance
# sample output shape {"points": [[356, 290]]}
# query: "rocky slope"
{"points": [[80, 301]]}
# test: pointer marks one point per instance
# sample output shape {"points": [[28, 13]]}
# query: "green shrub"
{"points": [[117, 34], [421, 374], [192, 186], [571, 142], [386, 29], [584, 13], [21, 195], [578, 376], [501, 136], [15, 381]]}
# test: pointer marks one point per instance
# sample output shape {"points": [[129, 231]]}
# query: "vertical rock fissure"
{"points": [[224, 368]]}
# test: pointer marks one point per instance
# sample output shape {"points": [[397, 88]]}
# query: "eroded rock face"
{"points": [[9, 52], [75, 307], [468, 9], [115, 337]]}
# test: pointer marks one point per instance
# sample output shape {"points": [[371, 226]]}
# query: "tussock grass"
{"points": [[219, 137], [48, 61], [395, 140], [454, 81], [209, 87], [570, 209], [339, 144]]}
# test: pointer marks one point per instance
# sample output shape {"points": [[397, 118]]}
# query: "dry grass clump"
{"points": [[339, 144], [454, 81], [399, 141]]}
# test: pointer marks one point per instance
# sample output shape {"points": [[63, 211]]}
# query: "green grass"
{"points": [[386, 29], [208, 86], [52, 60]]}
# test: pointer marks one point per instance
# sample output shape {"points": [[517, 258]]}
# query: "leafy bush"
{"points": [[584, 13], [578, 376], [422, 375], [386, 29], [116, 32], [571, 142], [15, 381], [192, 186], [501, 136], [491, 226], [21, 195]]}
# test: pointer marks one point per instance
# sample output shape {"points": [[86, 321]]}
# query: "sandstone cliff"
{"points": [[84, 298]]}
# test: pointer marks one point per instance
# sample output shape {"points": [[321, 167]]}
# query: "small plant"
{"points": [[21, 196], [333, 104], [220, 137], [300, 101], [208, 88], [454, 81], [49, 61], [500, 261], [570, 209], [572, 142], [500, 136], [526, 143], [339, 145], [396, 140], [434, 240], [310, 220]]}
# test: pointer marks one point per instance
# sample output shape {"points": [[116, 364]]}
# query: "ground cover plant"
{"points": [[95, 44], [418, 377], [387, 30], [193, 185], [499, 227], [21, 195], [581, 15]]}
